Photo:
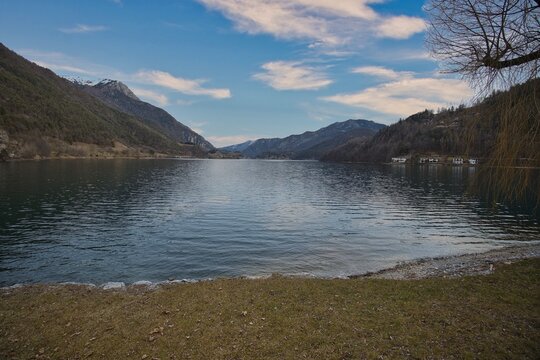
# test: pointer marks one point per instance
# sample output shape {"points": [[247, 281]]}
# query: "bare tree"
{"points": [[486, 41], [495, 44]]}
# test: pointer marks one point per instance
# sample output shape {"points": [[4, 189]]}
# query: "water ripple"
{"points": [[126, 220]]}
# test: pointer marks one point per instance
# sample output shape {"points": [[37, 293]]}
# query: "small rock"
{"points": [[244, 313], [158, 330], [113, 286]]}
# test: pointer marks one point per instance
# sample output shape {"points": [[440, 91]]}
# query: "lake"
{"points": [[128, 220]]}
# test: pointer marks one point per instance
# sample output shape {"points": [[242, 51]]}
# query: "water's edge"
{"points": [[468, 261]]}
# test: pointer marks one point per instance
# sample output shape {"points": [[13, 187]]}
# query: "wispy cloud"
{"points": [[151, 95], [221, 141], [405, 94], [70, 66], [67, 68], [82, 28], [185, 86], [329, 23], [323, 113], [381, 72], [400, 27], [289, 75]]}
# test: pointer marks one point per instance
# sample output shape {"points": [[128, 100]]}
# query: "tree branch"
{"points": [[520, 60]]}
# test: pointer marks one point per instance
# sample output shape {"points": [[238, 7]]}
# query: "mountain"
{"points": [[311, 144], [469, 131], [42, 114], [238, 148], [119, 96]]}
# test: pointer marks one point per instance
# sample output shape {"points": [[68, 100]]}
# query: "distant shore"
{"points": [[108, 157], [121, 157]]}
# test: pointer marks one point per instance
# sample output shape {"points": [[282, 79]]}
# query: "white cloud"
{"points": [[67, 65], [60, 67], [289, 75], [406, 96], [82, 28], [347, 8], [381, 72], [221, 141], [282, 19], [185, 86], [414, 55], [322, 113], [331, 23], [150, 95], [400, 27]]}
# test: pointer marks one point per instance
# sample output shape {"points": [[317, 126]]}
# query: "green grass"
{"points": [[495, 316]]}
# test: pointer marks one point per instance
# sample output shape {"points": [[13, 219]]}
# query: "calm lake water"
{"points": [[129, 220]]}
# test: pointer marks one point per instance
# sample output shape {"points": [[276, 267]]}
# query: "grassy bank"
{"points": [[494, 316]]}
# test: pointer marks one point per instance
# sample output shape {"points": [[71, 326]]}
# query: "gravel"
{"points": [[456, 266]]}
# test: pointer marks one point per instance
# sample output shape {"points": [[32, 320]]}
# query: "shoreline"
{"points": [[493, 316], [469, 264], [156, 157], [452, 266]]}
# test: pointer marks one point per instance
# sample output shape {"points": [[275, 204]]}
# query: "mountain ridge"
{"points": [[44, 115], [117, 95], [310, 144]]}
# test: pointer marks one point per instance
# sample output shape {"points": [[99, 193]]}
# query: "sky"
{"points": [[237, 70]]}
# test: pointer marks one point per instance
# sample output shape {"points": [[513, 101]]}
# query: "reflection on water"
{"points": [[127, 220]]}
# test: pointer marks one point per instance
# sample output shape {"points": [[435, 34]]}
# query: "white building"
{"points": [[399, 159], [457, 161]]}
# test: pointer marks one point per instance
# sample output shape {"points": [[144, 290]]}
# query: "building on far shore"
{"points": [[436, 159], [457, 161]]}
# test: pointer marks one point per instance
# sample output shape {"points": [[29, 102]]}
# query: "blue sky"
{"points": [[235, 70]]}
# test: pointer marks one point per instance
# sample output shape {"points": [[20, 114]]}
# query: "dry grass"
{"points": [[495, 316]]}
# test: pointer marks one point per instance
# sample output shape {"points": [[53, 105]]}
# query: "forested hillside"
{"points": [[42, 114], [471, 131]]}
